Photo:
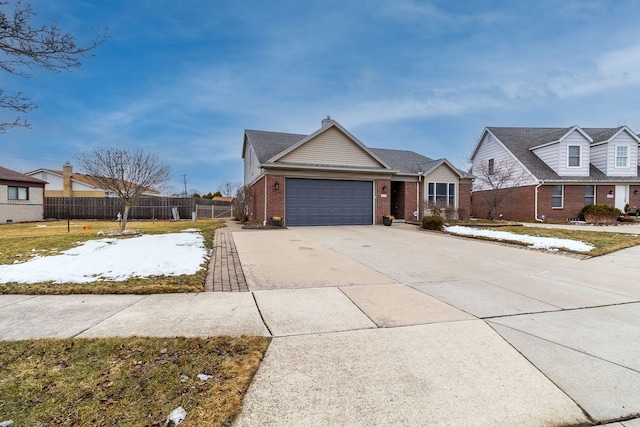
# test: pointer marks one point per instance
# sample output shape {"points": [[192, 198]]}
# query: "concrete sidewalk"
{"points": [[394, 326]]}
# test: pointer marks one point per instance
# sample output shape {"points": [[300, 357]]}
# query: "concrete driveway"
{"points": [[377, 325], [392, 325]]}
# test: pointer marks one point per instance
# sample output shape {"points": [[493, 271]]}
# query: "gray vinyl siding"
{"points": [[550, 155], [251, 165], [331, 147], [598, 157], [632, 169], [490, 148], [575, 138]]}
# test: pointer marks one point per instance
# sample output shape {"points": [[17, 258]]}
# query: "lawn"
{"points": [[603, 242], [127, 382], [19, 242]]}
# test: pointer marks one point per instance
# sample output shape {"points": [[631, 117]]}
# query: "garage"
{"points": [[328, 202]]}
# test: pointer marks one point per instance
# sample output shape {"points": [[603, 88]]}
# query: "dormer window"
{"points": [[574, 156], [622, 156]]}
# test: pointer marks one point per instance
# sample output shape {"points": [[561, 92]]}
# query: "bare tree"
{"points": [[496, 183], [25, 47], [229, 189], [128, 174], [242, 203]]}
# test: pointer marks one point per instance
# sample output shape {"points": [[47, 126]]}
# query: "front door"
{"points": [[622, 196]]}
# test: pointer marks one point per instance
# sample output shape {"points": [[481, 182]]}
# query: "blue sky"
{"points": [[185, 78]]}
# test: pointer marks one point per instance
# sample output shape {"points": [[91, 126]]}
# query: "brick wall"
{"points": [[464, 199], [521, 204], [410, 202], [256, 207], [383, 204], [518, 206], [275, 198]]}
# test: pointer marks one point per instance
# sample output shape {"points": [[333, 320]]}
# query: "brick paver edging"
{"points": [[225, 271]]}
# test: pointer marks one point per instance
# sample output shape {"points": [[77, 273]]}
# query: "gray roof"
{"points": [[520, 140], [11, 175], [268, 144]]}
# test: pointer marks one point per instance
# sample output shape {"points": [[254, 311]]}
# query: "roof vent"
{"points": [[327, 122]]}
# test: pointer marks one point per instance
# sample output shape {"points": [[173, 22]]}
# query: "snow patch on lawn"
{"points": [[171, 254], [549, 243]]}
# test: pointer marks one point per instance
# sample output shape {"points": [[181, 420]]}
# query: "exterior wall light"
{"points": [[384, 189], [610, 191], [276, 186]]}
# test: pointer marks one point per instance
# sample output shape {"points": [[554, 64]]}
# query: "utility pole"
{"points": [[184, 177]]}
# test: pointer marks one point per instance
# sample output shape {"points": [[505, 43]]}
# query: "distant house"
{"points": [[557, 171], [67, 183], [331, 178], [21, 197]]}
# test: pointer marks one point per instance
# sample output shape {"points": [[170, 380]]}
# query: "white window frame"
{"points": [[491, 167], [569, 156], [554, 196], [616, 157], [433, 197]]}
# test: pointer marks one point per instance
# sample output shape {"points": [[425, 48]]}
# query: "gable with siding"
{"points": [[331, 147]]}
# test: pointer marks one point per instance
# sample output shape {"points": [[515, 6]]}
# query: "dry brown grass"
{"points": [[603, 242], [50, 238], [127, 382]]}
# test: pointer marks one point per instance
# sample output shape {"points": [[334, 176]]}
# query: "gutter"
{"points": [[541, 183]]}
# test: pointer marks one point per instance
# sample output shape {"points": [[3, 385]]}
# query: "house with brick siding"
{"points": [[329, 177], [555, 172]]}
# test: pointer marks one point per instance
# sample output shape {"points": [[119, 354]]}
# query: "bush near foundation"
{"points": [[433, 222], [600, 214]]}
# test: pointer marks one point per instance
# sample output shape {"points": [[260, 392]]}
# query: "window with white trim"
{"points": [[18, 193], [557, 194], [443, 193], [573, 159], [491, 167], [589, 195], [622, 156]]}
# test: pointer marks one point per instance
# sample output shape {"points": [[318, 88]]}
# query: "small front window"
{"points": [[18, 193], [622, 156], [556, 197], [574, 156], [491, 167], [589, 195]]}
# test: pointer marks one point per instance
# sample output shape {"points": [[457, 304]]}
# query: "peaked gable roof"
{"points": [[520, 141], [11, 175], [411, 162], [75, 176]]}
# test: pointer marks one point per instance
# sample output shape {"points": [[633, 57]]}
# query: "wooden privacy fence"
{"points": [[145, 208]]}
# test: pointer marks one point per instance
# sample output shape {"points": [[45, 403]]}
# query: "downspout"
{"points": [[536, 201], [418, 196], [264, 222]]}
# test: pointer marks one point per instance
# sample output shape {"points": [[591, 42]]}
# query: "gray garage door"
{"points": [[328, 202]]}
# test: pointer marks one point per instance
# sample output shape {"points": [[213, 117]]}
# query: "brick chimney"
{"points": [[67, 172], [327, 122]]}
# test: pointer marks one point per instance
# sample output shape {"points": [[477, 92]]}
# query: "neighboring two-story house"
{"points": [[331, 178], [552, 173], [21, 197]]}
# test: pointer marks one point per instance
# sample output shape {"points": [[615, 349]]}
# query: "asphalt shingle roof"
{"points": [[520, 140], [268, 144], [11, 175]]}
